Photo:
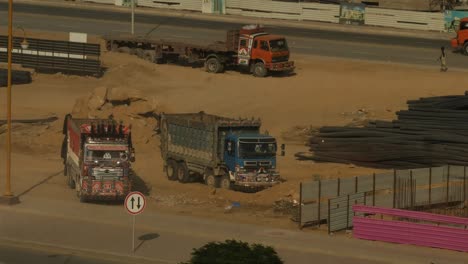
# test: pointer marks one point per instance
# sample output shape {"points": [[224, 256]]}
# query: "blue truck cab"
{"points": [[223, 152], [251, 159]]}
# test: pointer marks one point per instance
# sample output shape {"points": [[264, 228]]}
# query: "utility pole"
{"points": [[8, 197]]}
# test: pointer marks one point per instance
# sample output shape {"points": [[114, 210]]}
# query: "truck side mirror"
{"points": [[283, 149]]}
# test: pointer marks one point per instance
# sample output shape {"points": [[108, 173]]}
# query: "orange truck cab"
{"points": [[461, 41], [263, 52]]}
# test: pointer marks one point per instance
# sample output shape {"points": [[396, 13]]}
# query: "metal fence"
{"points": [[418, 188], [55, 56], [409, 227], [340, 210]]}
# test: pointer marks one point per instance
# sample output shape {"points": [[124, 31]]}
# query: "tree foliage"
{"points": [[234, 252]]}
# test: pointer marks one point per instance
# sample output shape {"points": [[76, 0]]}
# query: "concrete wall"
{"points": [[419, 5]]}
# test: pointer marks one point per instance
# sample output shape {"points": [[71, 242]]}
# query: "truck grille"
{"points": [[102, 173], [280, 59], [255, 163]]}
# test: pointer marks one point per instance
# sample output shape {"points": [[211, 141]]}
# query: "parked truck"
{"points": [[97, 155], [249, 49], [461, 41], [224, 152]]}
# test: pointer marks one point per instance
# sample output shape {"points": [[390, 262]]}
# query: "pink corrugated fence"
{"points": [[429, 235]]}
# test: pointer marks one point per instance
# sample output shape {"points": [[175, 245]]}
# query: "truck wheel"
{"points": [[124, 50], [259, 70], [213, 65], [65, 169], [183, 174], [465, 48], [225, 182], [82, 198], [171, 170], [70, 181], [212, 181], [150, 55]]}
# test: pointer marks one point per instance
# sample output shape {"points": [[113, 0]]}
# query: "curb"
{"points": [[367, 30], [98, 255]]}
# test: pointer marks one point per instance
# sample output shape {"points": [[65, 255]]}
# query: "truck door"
{"points": [[230, 154], [261, 50], [243, 55]]}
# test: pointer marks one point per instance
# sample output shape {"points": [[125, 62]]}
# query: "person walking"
{"points": [[443, 60]]}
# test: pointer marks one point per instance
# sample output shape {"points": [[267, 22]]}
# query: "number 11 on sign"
{"points": [[135, 203]]}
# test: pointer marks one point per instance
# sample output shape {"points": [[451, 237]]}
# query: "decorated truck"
{"points": [[250, 49], [97, 155], [461, 41], [223, 152]]}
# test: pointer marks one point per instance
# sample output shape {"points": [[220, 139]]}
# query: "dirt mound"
{"points": [[127, 105]]}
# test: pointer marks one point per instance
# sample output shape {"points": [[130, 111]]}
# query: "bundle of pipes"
{"points": [[17, 77], [432, 132]]}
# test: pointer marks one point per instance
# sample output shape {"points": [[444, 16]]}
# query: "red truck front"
{"points": [[461, 41], [263, 52], [98, 160]]}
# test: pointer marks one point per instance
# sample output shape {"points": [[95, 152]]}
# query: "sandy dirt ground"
{"points": [[325, 91]]}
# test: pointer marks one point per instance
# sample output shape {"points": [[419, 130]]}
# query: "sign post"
{"points": [[133, 17], [135, 203]]}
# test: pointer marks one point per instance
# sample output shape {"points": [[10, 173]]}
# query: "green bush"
{"points": [[234, 252]]}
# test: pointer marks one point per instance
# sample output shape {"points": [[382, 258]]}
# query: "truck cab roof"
{"points": [[251, 136], [269, 37]]}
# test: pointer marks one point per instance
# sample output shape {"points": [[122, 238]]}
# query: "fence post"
{"points": [[318, 202], [448, 183], [347, 212], [411, 190], [464, 186], [394, 187], [300, 205], [355, 184], [338, 187], [430, 187], [373, 189], [328, 221]]}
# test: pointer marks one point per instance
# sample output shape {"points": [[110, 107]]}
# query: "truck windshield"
{"points": [[278, 45], [463, 25], [257, 149], [105, 155]]}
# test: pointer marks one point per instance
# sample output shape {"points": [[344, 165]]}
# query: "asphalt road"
{"points": [[166, 239], [302, 41], [21, 255]]}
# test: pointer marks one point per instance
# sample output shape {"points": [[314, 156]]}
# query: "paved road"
{"points": [[20, 255], [302, 41], [170, 238]]}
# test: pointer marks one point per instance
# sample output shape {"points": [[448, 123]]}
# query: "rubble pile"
{"points": [[432, 132]]}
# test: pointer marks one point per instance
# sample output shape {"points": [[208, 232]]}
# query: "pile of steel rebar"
{"points": [[432, 132], [17, 77]]}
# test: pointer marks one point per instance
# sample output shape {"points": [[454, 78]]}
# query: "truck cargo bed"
{"points": [[218, 46]]}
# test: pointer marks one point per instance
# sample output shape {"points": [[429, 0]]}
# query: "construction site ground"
{"points": [[324, 91]]}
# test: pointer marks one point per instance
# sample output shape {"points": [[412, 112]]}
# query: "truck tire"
{"points": [[124, 50], [70, 180], [465, 48], [213, 65], [78, 194], [212, 181], [183, 174], [65, 169], [150, 55], [140, 53], [225, 182], [171, 170], [259, 70]]}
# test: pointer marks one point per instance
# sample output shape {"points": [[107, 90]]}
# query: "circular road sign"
{"points": [[135, 203]]}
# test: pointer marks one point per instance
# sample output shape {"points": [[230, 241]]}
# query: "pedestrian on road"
{"points": [[443, 60]]}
